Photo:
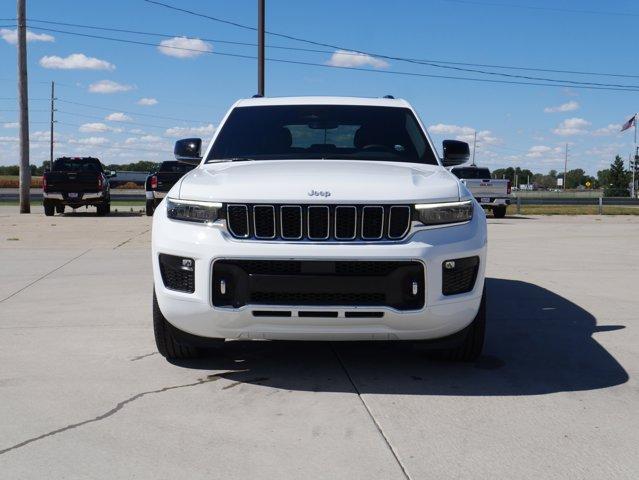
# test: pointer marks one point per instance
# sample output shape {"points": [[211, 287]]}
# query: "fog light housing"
{"points": [[459, 275], [178, 273]]}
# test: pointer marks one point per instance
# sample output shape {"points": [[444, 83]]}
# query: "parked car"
{"points": [[319, 218], [161, 181], [76, 182], [491, 194]]}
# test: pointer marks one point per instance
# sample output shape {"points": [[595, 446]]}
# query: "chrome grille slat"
{"points": [[317, 223]]}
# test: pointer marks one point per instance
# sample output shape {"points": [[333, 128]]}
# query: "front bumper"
{"points": [[439, 317]]}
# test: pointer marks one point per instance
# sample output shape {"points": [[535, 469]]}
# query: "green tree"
{"points": [[618, 179]]}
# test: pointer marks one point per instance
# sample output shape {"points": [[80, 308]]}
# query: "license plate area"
{"points": [[485, 200], [72, 195]]}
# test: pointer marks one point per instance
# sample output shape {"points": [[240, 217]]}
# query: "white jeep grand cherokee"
{"points": [[319, 218]]}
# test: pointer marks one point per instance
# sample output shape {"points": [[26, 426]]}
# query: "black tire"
{"points": [[499, 212], [150, 207], [470, 349], [49, 209], [102, 209], [59, 209], [168, 346]]}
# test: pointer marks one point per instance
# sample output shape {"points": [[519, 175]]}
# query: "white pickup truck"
{"points": [[319, 218], [490, 193]]}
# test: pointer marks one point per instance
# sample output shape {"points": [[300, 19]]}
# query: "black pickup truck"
{"points": [[160, 182], [76, 182]]}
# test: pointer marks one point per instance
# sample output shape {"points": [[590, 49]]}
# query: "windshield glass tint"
{"points": [[77, 165], [472, 173], [322, 131], [175, 167]]}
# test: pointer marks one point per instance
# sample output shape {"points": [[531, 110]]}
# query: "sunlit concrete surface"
{"points": [[84, 394]]}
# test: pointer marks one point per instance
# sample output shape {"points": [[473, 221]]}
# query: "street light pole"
{"points": [[260, 46]]}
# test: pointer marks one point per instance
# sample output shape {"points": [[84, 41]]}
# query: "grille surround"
{"points": [[318, 222]]}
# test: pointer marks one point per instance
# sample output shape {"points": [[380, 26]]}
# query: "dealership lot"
{"points": [[83, 393]]}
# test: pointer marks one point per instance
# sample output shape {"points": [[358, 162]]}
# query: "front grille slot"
{"points": [[264, 221], [318, 222]]}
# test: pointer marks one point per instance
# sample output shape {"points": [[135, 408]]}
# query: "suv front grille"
{"points": [[318, 222]]}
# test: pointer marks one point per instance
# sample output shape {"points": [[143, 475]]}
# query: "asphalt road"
{"points": [[84, 394]]}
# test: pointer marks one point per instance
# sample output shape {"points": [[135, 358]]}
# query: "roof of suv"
{"points": [[378, 102]]}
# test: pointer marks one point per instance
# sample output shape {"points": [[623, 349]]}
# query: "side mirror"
{"points": [[455, 153], [188, 150]]}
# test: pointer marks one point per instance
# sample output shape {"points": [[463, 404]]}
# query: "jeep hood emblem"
{"points": [[319, 193]]}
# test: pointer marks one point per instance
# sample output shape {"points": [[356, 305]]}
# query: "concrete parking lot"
{"points": [[84, 394]]}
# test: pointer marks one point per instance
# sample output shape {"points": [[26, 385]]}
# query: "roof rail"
{"points": [[257, 95], [388, 96]]}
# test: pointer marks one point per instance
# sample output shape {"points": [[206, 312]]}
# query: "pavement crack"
{"points": [[44, 276], [140, 357], [370, 414], [129, 239], [119, 406]]}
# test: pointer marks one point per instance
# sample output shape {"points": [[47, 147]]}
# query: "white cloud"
{"points": [[538, 151], [98, 127], [11, 125], [147, 102], [109, 86], [572, 126], [465, 134], [345, 58], [118, 117], [444, 129], [611, 129], [91, 141], [136, 131], [75, 61], [564, 107], [183, 47], [11, 36], [204, 131]]}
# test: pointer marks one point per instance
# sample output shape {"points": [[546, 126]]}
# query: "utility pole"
{"points": [[52, 122], [565, 167], [634, 170], [23, 105], [474, 145], [260, 46]]}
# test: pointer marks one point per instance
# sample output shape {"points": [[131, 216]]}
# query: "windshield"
{"points": [[322, 132], [480, 173], [77, 165]]}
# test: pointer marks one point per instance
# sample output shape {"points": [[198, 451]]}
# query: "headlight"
{"points": [[440, 213], [192, 211]]}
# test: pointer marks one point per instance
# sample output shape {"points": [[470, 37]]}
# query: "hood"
{"points": [[319, 181]]}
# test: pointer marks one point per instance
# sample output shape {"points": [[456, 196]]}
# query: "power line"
{"points": [[388, 57], [130, 112], [565, 84], [348, 53]]}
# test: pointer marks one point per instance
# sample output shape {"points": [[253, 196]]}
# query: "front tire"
{"points": [[168, 346], [471, 347], [499, 212]]}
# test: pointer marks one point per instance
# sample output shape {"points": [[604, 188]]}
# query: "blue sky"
{"points": [[188, 92]]}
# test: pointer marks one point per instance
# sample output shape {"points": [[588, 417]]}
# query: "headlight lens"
{"points": [[441, 213], [192, 211]]}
